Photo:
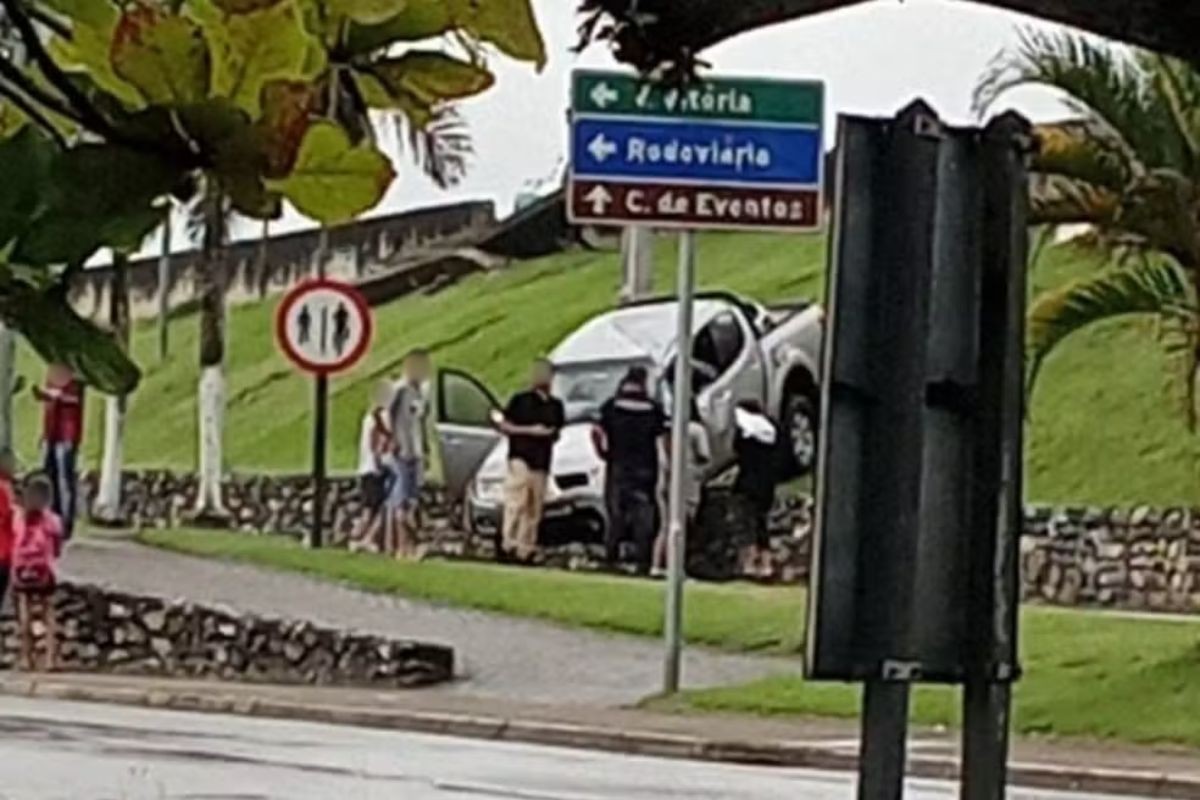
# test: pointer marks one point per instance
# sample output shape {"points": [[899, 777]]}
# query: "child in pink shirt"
{"points": [[34, 568]]}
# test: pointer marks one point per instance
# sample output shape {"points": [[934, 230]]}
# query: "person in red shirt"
{"points": [[8, 509], [62, 431], [35, 557]]}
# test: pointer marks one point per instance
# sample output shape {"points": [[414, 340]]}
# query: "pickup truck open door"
{"points": [[464, 426]]}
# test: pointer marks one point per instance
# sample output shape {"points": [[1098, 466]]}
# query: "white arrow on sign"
{"points": [[600, 198], [601, 148], [603, 94]]}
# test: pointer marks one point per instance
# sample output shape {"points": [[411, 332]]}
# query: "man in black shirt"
{"points": [[631, 423], [531, 422]]}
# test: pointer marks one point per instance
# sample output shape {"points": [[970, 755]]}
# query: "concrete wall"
{"points": [[359, 251]]}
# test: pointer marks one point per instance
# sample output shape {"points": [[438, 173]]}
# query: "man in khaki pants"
{"points": [[531, 422]]}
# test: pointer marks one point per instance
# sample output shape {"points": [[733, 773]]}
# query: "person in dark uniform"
{"points": [[627, 438]]}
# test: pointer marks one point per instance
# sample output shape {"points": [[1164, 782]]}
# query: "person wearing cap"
{"points": [[627, 438]]}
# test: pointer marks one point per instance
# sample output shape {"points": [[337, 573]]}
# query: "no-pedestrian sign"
{"points": [[733, 153], [323, 326]]}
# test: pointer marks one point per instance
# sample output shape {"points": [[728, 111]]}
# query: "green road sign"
{"points": [[748, 99]]}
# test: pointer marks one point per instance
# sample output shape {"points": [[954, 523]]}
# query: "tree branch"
{"points": [[21, 82], [30, 110], [652, 33], [87, 114]]}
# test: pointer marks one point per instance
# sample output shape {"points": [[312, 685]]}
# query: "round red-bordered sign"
{"points": [[323, 326]]}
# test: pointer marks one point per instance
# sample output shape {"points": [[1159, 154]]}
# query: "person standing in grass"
{"points": [[531, 421], [407, 416], [632, 423], [374, 446], [38, 545], [62, 431]]}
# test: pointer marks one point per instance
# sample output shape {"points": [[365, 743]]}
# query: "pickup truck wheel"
{"points": [[800, 425]]}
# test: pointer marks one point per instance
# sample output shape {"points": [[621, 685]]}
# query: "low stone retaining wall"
{"points": [[283, 504], [106, 631], [1141, 559]]}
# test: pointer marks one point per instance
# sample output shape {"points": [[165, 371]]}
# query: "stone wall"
{"points": [[1141, 559], [283, 504], [358, 251], [106, 631]]}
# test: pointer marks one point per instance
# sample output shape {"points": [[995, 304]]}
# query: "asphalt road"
{"points": [[54, 751]]}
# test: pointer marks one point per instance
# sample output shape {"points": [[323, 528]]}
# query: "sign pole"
{"points": [[680, 416], [320, 424]]}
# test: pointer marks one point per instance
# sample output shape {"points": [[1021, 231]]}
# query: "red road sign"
{"points": [[323, 326], [674, 205]]}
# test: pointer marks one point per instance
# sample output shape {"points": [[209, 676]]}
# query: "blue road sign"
{"points": [[694, 151], [739, 153]]}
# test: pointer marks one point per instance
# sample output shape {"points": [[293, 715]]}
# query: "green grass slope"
{"points": [[1101, 429]]}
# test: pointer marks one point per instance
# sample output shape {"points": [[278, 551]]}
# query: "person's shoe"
{"points": [[659, 573]]}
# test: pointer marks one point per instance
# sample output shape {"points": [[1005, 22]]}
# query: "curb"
{"points": [[643, 743]]}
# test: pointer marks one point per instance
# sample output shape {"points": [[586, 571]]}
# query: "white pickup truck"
{"points": [[741, 351]]}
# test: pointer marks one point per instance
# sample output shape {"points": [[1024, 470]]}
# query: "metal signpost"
{"points": [[323, 327], [914, 565], [726, 154]]}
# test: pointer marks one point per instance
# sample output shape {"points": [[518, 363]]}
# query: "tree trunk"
{"points": [[211, 400], [666, 29], [107, 508], [8, 368], [164, 290], [264, 267]]}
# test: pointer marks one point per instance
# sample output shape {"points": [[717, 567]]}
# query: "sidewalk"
{"points": [[817, 744]]}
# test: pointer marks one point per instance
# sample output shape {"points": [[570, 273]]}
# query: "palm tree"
{"points": [[1126, 165]]}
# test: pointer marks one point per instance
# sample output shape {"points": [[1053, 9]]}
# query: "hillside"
{"points": [[1100, 432]]}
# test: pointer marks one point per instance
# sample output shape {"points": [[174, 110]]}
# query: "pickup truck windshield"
{"points": [[583, 388]]}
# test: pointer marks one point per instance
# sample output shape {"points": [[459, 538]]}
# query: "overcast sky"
{"points": [[874, 59]]}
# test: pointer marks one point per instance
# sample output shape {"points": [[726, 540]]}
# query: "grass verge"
{"points": [[1087, 674], [734, 617]]}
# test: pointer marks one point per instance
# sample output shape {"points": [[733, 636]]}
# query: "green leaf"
{"points": [[432, 77], [253, 49], [233, 146], [95, 195], [86, 12], [368, 12], [1147, 287], [25, 161], [420, 19], [89, 50], [288, 108], [245, 6], [334, 181], [509, 25], [163, 56], [12, 120], [60, 335]]}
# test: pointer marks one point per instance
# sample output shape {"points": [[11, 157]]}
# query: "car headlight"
{"points": [[489, 489]]}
